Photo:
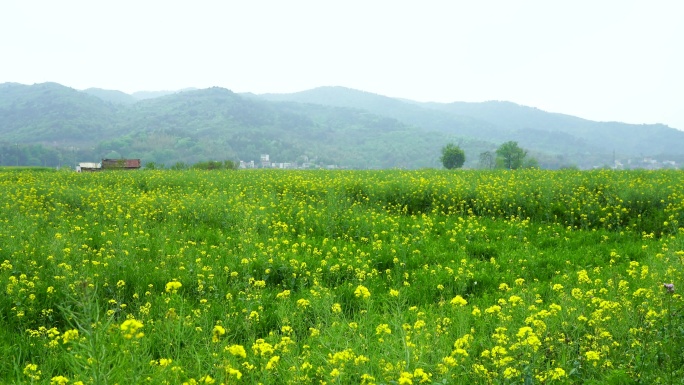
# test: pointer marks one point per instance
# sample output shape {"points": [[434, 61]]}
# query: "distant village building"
{"points": [[121, 164], [109, 164], [249, 164], [88, 167]]}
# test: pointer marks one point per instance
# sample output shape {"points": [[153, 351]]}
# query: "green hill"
{"points": [[631, 139], [50, 112], [406, 111], [45, 124], [112, 96], [495, 121], [216, 123]]}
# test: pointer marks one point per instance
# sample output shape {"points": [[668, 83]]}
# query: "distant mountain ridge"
{"points": [[325, 125], [500, 121]]}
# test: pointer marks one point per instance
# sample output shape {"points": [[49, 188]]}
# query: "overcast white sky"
{"points": [[617, 60]]}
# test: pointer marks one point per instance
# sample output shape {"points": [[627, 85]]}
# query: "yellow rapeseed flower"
{"points": [[233, 372], [69, 335], [458, 301], [32, 372], [272, 362], [405, 378], [217, 333], [557, 373], [303, 303], [59, 380], [237, 351], [362, 292], [511, 372], [173, 286], [130, 328]]}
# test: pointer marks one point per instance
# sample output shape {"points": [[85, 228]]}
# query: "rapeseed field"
{"points": [[342, 277]]}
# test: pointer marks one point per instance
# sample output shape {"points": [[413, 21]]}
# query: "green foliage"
{"points": [[452, 156], [510, 156], [180, 166], [400, 276], [530, 162], [153, 166], [26, 169], [215, 165], [15, 154], [487, 160]]}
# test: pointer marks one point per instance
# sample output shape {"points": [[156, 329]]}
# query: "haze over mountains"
{"points": [[324, 126]]}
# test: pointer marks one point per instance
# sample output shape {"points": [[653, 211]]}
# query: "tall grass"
{"points": [[341, 277]]}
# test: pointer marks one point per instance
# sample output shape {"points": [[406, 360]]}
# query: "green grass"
{"points": [[26, 168], [482, 277]]}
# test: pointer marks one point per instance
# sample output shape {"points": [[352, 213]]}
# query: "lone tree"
{"points": [[487, 160], [510, 156], [452, 156]]}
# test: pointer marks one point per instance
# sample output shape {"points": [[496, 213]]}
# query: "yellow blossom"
{"points": [[237, 350], [459, 301], [362, 292], [217, 333], [511, 373], [173, 286], [557, 374], [405, 378], [130, 328], [69, 335], [32, 372], [272, 362], [59, 380], [493, 309], [303, 303], [233, 372]]}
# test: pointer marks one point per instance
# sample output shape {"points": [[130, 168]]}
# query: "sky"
{"points": [[608, 60]]}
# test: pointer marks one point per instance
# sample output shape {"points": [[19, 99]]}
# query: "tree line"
{"points": [[508, 156]]}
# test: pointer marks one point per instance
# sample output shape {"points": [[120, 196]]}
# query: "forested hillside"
{"points": [[496, 121], [50, 124]]}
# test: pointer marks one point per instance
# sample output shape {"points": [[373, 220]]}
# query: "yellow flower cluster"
{"points": [[130, 328]]}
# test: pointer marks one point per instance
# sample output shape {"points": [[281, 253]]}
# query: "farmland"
{"points": [[341, 277]]}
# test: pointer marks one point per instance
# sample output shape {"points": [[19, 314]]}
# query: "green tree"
{"points": [[180, 166], [531, 163], [510, 156], [452, 156], [487, 160], [154, 166]]}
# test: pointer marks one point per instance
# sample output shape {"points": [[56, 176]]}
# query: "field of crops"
{"points": [[342, 277]]}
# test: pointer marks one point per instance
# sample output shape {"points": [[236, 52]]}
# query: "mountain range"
{"points": [[50, 123]]}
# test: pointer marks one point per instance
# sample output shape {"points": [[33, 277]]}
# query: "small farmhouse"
{"points": [[120, 164], [88, 166]]}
